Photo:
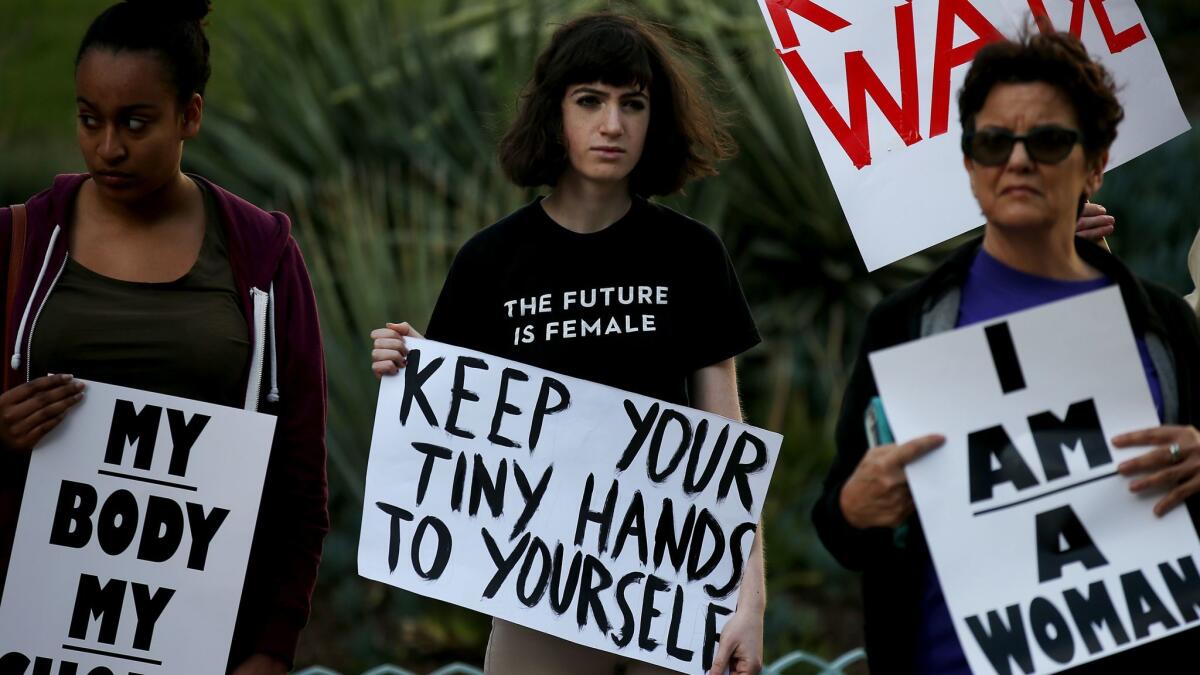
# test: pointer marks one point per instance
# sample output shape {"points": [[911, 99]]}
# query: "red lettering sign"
{"points": [[1116, 42], [947, 57], [861, 80]]}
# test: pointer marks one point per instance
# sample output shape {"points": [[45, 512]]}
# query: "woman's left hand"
{"points": [[261, 664], [1173, 465], [741, 645]]}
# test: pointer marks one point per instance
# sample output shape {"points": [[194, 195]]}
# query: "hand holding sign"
{"points": [[876, 495], [390, 354], [603, 517], [741, 646], [30, 411], [1179, 470], [1094, 223]]}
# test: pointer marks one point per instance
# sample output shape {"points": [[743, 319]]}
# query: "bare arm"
{"points": [[714, 390]]}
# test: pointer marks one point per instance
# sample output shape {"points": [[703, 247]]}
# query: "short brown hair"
{"points": [[686, 137], [1057, 59]]}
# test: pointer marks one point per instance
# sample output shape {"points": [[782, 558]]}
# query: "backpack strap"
{"points": [[16, 253]]}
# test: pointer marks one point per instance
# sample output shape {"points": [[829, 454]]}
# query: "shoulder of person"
{"points": [[257, 222], [680, 232], [890, 321], [48, 208], [493, 240]]}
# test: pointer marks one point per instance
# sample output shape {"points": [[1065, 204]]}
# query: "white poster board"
{"points": [[878, 85], [603, 517], [133, 538], [1046, 559]]}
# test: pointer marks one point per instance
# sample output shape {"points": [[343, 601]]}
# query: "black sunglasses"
{"points": [[1045, 145]]}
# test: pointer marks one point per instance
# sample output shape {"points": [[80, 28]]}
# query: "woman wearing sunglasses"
{"points": [[1038, 117]]}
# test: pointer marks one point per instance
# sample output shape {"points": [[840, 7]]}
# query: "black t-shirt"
{"points": [[639, 305]]}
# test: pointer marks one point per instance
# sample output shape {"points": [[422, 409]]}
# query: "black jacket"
{"points": [[892, 577]]}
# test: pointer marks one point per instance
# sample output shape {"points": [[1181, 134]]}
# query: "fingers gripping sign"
{"points": [[1173, 465], [30, 411], [740, 649], [389, 352], [1094, 223], [877, 495]]}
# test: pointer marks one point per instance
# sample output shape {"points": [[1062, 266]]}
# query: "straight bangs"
{"points": [[612, 54], [686, 136]]}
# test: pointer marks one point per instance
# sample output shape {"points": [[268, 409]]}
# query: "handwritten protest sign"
{"points": [[1047, 560], [133, 537], [606, 518], [878, 83]]}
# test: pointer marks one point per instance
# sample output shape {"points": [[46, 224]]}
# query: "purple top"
{"points": [[993, 289]]}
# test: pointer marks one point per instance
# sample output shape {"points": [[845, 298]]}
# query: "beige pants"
{"points": [[517, 650]]}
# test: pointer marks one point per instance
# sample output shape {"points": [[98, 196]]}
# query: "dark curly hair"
{"points": [[1057, 59], [171, 29], [686, 137]]}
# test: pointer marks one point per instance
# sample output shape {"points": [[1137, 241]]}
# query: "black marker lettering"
{"points": [[432, 454], [503, 407], [1095, 610], [397, 514], [982, 447], [203, 528], [654, 586], [1003, 643], [72, 526], [1059, 525], [460, 393], [642, 426], [739, 472], [532, 497], [139, 429], [543, 410], [603, 518], [93, 601], [149, 608], [414, 379], [504, 564], [183, 437], [441, 556]]}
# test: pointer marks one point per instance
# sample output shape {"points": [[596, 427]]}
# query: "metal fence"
{"points": [[795, 663]]}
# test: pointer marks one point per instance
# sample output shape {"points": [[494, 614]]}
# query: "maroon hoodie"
{"points": [[289, 382]]}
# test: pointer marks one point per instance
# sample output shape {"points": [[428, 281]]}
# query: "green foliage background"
{"points": [[373, 123]]}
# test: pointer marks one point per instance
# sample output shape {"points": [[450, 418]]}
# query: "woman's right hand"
{"points": [[876, 494], [389, 353], [30, 411]]}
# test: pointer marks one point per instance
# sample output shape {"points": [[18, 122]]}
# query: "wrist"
{"points": [[846, 505]]}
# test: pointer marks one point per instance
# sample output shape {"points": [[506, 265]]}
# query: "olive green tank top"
{"points": [[186, 337]]}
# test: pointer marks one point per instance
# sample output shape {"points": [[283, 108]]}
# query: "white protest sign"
{"points": [[606, 518], [878, 84], [1047, 560], [133, 537]]}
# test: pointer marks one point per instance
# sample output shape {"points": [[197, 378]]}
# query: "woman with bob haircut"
{"points": [[138, 275], [1038, 117], [645, 299]]}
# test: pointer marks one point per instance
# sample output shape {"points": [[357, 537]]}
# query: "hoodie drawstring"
{"points": [[273, 394], [16, 357]]}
